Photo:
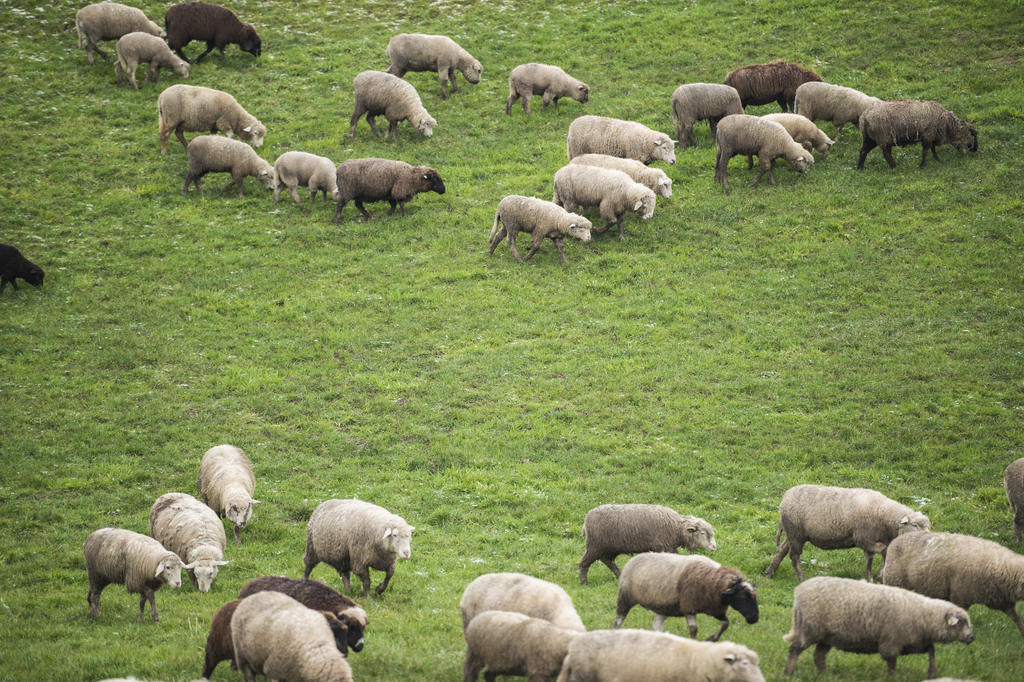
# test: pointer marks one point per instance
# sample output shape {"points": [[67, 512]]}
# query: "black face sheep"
{"points": [[110, 21], [13, 266], [216, 154], [513, 644], [709, 102], [614, 137], [371, 179], [863, 618], [123, 557], [527, 80], [614, 529], [908, 121], [226, 483], [612, 191], [142, 48], [1013, 482], [295, 169], [841, 518], [826, 102], [216, 25], [654, 178], [187, 108], [765, 83], [419, 52], [520, 593], [382, 94], [353, 536], [768, 140], [190, 529], [542, 219], [671, 585]]}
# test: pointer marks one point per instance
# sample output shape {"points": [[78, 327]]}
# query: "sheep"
{"points": [[803, 131], [542, 219], [820, 101], [653, 178], [514, 644], [138, 47], [841, 518], [318, 173], [381, 94], [1013, 482], [13, 265], [908, 121], [278, 637], [215, 154], [355, 536], [226, 483], [699, 102], [372, 179], [768, 140], [419, 52], [192, 108], [527, 80], [124, 557], [645, 656], [961, 568], [614, 529], [612, 191], [520, 593], [674, 585], [864, 618], [190, 529], [110, 21], [614, 137], [764, 83], [216, 25]]}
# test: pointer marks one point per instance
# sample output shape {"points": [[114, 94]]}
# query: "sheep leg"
{"points": [[512, 97], [247, 672], [393, 205], [777, 559], [869, 558], [515, 252], [622, 612], [372, 120], [117, 72], [691, 624], [782, 103], [794, 653], [924, 153], [1018, 525], [559, 244], [933, 670], [95, 589], [209, 48], [750, 161], [451, 77], [768, 168], [548, 99], [935, 154], [337, 218], [887, 153], [100, 52], [1011, 611], [442, 77], [866, 145], [820, 652], [534, 248], [527, 96], [312, 196], [714, 637], [384, 585], [181, 138], [366, 214], [355, 119], [192, 578], [471, 668], [392, 130], [150, 596], [498, 236], [292, 189], [188, 180], [154, 73], [794, 556], [610, 563]]}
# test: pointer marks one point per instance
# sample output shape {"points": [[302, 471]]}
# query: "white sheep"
{"points": [[527, 80], [820, 101], [702, 102], [612, 191], [141, 48], [192, 108], [654, 178], [520, 593], [803, 131], [381, 94], [1013, 482], [420, 52], [768, 140], [295, 169], [215, 154], [541, 219], [615, 137], [226, 483], [110, 21], [514, 644], [190, 529]]}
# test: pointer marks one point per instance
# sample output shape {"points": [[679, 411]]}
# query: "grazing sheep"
{"points": [[226, 483], [216, 25], [295, 169], [709, 102], [821, 101], [355, 536], [13, 266], [190, 529], [142, 48], [961, 568], [908, 121], [803, 131], [614, 137], [520, 593], [140, 563], [768, 140], [110, 21], [216, 154], [653, 178], [419, 52], [513, 644], [841, 518], [527, 80], [542, 219], [192, 108], [864, 618], [672, 585], [1013, 481], [645, 656], [381, 94], [372, 179], [614, 529], [765, 83], [612, 191]]}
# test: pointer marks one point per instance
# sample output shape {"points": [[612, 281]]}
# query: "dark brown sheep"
{"points": [[216, 25], [908, 121], [14, 265], [765, 83], [371, 179]]}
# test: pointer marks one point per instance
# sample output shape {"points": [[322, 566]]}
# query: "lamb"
{"points": [[614, 529], [542, 219], [841, 518], [226, 483], [372, 179], [527, 80], [278, 637], [768, 140], [803, 131], [520, 593], [1013, 481], [864, 618], [654, 178], [908, 121], [514, 644], [419, 52], [215, 154], [318, 173], [672, 585], [614, 137], [216, 25], [820, 101], [961, 568], [382, 94], [188, 108], [765, 83], [645, 656], [140, 563], [190, 529], [139, 47], [110, 21], [699, 102], [612, 191], [13, 265], [355, 536]]}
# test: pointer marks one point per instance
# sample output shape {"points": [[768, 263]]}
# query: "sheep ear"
{"points": [[247, 129], [662, 181], [952, 620], [639, 203], [160, 568], [189, 567], [573, 226], [730, 657], [387, 533], [426, 177], [221, 563], [412, 528], [905, 520], [254, 501]]}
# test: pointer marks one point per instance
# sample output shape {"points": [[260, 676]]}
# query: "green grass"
{"points": [[843, 328]]}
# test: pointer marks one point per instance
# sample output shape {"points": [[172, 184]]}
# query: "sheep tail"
{"points": [[778, 536], [78, 27], [494, 229]]}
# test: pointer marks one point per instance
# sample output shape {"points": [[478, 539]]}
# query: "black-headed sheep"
{"points": [[299, 169], [908, 121], [13, 266], [142, 48], [192, 108], [226, 482], [514, 644], [541, 219], [765, 83], [614, 192], [381, 94], [741, 134], [527, 80], [216, 154], [110, 21], [821, 101], [371, 179], [1013, 482], [217, 26], [615, 137], [520, 593], [440, 54], [709, 102], [192, 530]]}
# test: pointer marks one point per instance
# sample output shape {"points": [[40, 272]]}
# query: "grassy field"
{"points": [[842, 328]]}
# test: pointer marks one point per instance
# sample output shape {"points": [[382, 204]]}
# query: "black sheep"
{"points": [[216, 25], [765, 83], [14, 265]]}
